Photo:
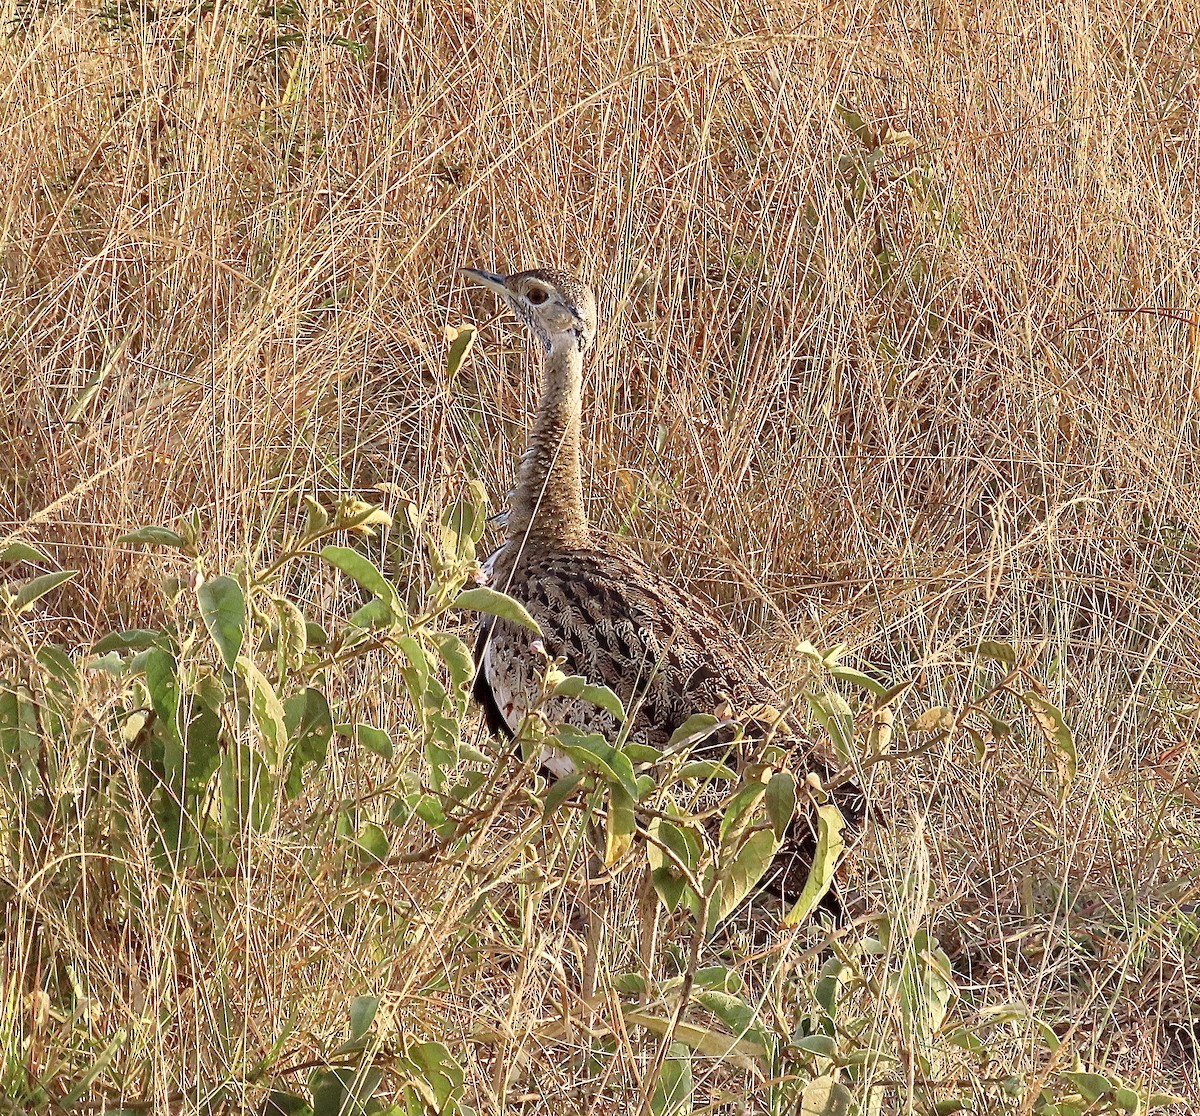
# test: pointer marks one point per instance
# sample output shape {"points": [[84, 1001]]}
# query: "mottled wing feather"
{"points": [[482, 690]]}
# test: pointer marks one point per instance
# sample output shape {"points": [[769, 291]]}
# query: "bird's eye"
{"points": [[536, 295]]}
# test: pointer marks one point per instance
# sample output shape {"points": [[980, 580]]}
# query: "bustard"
{"points": [[601, 610]]}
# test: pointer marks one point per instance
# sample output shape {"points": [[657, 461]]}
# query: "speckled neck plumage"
{"points": [[547, 503]]}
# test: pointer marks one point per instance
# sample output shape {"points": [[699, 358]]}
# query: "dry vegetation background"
{"points": [[901, 412]]}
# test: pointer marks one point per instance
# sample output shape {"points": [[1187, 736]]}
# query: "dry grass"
{"points": [[229, 247]]}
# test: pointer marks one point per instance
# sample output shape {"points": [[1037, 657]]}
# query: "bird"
{"points": [[602, 611]]}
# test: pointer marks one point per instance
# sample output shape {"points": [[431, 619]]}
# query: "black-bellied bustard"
{"points": [[601, 609]]}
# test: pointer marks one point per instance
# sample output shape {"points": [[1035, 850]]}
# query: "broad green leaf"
{"points": [[780, 801], [439, 1071], [223, 610], [834, 973], [362, 1015], [461, 339], [293, 636], [360, 569], [837, 720], [316, 518], [737, 877], [155, 536], [345, 1091], [1090, 1086], [621, 824], [374, 616], [823, 1096], [279, 1103], [665, 874], [265, 709], [673, 1091], [858, 678], [708, 1041], [309, 726], [1057, 735], [373, 739], [22, 552], [37, 587], [1003, 653], [740, 1017], [459, 663], [696, 728], [705, 771], [592, 752], [372, 843], [135, 639], [824, 1046], [482, 599], [576, 686], [562, 789], [162, 682], [462, 523], [825, 860], [718, 978], [738, 813]]}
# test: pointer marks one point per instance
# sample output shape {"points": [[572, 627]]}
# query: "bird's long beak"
{"points": [[486, 279]]}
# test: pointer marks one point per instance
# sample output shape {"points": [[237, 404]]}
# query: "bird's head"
{"points": [[560, 309]]}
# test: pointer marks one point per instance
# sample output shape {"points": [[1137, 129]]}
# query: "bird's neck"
{"points": [[547, 503]]}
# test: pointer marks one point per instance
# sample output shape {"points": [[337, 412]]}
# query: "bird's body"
{"points": [[602, 612]]}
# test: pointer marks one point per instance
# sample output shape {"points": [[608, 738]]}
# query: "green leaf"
{"points": [[360, 569], [162, 682], [665, 874], [780, 801], [374, 616], [309, 727], [316, 518], [836, 718], [1091, 1086], [1057, 735], [737, 877], [293, 636], [825, 860], [592, 752], [561, 791], [279, 1103], [483, 599], [673, 1091], [1003, 653], [438, 1072], [576, 686], [265, 710], [620, 826], [459, 663], [858, 678], [461, 339], [740, 1017], [823, 1096], [696, 728], [37, 587], [362, 1015], [223, 610], [22, 552], [462, 523], [824, 1046], [704, 771], [372, 843], [155, 536], [373, 739], [135, 639]]}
